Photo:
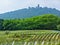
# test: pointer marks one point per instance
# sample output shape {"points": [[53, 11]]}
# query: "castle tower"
{"points": [[38, 6]]}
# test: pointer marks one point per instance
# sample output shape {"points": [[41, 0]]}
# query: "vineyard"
{"points": [[52, 38]]}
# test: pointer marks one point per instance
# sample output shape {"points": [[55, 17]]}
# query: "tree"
{"points": [[46, 22], [58, 27], [1, 24]]}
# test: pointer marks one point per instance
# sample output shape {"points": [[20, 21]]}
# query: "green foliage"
{"points": [[1, 22], [47, 21], [58, 27], [7, 32]]}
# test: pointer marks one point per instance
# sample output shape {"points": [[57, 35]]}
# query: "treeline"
{"points": [[43, 22]]}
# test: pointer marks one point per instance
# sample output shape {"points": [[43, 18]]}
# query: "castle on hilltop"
{"points": [[38, 6]]}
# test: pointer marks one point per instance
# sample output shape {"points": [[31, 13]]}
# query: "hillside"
{"points": [[29, 12], [43, 22]]}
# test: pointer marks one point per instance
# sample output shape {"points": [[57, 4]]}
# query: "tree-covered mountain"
{"points": [[29, 12], [45, 22]]}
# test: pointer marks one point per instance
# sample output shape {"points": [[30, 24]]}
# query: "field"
{"points": [[30, 37]]}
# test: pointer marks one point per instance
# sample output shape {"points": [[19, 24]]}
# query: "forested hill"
{"points": [[29, 12], [43, 22]]}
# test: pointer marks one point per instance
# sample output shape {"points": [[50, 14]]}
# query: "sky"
{"points": [[11, 5]]}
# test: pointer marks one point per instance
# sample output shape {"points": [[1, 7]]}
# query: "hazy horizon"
{"points": [[11, 5]]}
